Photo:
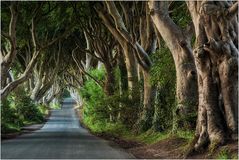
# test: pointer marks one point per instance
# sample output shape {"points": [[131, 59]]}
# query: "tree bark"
{"points": [[146, 117], [110, 80], [216, 54], [11, 86], [7, 60], [181, 51], [127, 50]]}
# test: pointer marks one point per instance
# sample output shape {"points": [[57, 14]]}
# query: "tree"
{"points": [[130, 60], [179, 43], [216, 56], [47, 71], [103, 45], [37, 35], [128, 40]]}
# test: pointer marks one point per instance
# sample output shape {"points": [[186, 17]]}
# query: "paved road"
{"points": [[61, 138]]}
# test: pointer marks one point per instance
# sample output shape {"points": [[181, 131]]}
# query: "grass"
{"points": [[148, 137], [226, 154], [121, 131], [188, 135]]}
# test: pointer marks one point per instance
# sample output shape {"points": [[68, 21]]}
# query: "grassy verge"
{"points": [[148, 137]]}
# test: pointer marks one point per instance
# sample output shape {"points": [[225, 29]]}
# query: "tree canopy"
{"points": [[162, 65]]}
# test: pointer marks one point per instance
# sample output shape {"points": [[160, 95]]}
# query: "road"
{"points": [[61, 138]]}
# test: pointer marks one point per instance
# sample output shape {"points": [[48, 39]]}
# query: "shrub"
{"points": [[93, 114], [122, 108], [26, 107], [100, 110], [10, 121], [18, 110]]}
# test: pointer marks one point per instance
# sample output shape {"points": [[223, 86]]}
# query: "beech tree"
{"points": [[128, 40], [8, 55], [103, 45], [46, 72], [130, 60], [216, 56], [179, 43], [110, 53]]}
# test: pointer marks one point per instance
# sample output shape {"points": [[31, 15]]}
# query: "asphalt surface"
{"points": [[61, 138]]}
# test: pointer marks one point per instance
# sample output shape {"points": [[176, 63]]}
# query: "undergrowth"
{"points": [[19, 110], [116, 115], [226, 154]]}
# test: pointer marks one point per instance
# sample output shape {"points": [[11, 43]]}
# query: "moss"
{"points": [[188, 134]]}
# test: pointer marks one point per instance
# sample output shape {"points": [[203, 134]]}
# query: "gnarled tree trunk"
{"points": [[216, 55], [179, 45], [129, 57], [109, 85]]}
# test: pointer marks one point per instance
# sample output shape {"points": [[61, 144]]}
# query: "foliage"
{"points": [[55, 106], [100, 110], [94, 115], [66, 94], [19, 110], [163, 75], [180, 14], [44, 109], [122, 108], [223, 154]]}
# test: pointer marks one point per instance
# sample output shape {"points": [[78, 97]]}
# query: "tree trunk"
{"points": [[131, 67], [37, 86], [216, 55], [148, 40], [88, 57], [127, 51], [110, 80], [123, 72], [11, 86], [146, 116], [180, 48]]}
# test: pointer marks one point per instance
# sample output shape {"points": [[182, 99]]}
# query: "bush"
{"points": [[100, 111], [94, 115], [18, 110], [10, 121], [26, 108], [121, 108]]}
